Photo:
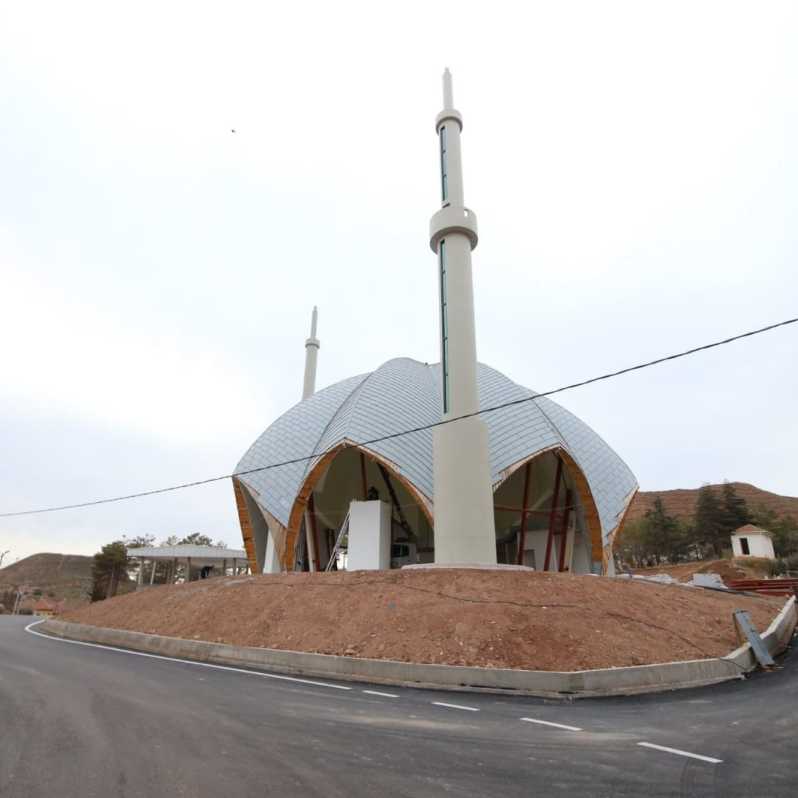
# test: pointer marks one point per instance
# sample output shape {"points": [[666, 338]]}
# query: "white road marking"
{"points": [[384, 695], [30, 630], [682, 753], [455, 706], [549, 723]]}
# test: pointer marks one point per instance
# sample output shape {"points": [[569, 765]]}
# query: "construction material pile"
{"points": [[727, 570], [500, 619]]}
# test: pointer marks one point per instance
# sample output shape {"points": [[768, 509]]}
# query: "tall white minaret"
{"points": [[463, 496], [311, 355]]}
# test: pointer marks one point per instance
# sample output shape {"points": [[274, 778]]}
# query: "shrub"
{"points": [[777, 567]]}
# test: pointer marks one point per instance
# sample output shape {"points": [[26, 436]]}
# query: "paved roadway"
{"points": [[79, 720]]}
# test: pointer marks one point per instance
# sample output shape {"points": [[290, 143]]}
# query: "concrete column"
{"points": [[140, 580], [271, 564], [188, 569], [152, 574]]}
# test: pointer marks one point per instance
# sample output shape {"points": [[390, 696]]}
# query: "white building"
{"points": [[751, 541], [527, 483]]}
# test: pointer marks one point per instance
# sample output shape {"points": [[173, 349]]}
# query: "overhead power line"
{"points": [[401, 433]]}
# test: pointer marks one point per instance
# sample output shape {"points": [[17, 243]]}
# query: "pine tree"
{"points": [[710, 520], [663, 532], [197, 539], [110, 564], [735, 509]]}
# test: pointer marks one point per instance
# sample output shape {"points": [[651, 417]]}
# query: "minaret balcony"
{"points": [[452, 219]]}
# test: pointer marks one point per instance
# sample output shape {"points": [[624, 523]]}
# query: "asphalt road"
{"points": [[77, 720]]}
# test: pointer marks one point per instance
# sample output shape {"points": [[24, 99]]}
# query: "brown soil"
{"points": [[501, 619], [681, 502], [738, 568]]}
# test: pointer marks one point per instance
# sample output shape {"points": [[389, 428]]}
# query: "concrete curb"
{"points": [[547, 684]]}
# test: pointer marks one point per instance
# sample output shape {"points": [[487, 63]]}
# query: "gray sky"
{"points": [[628, 163]]}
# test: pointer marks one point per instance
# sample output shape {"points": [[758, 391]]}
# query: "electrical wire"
{"points": [[401, 433]]}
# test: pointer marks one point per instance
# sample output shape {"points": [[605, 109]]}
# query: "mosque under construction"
{"points": [[526, 484]]}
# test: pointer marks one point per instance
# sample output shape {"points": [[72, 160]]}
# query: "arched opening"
{"points": [[342, 475], [546, 517]]}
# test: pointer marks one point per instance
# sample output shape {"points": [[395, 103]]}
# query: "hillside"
{"points": [[681, 502], [67, 576]]}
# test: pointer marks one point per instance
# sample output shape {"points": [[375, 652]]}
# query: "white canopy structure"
{"points": [[190, 556]]}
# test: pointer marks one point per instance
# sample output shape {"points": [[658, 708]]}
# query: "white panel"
{"points": [[369, 547]]}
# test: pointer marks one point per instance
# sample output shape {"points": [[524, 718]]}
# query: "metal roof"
{"points": [[184, 551], [403, 394]]}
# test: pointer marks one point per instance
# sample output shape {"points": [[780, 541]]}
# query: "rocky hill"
{"points": [[681, 502], [66, 576]]}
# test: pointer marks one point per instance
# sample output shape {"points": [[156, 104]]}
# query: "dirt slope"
{"points": [[461, 617], [681, 502]]}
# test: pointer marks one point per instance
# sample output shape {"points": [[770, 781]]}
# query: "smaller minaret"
{"points": [[311, 354]]}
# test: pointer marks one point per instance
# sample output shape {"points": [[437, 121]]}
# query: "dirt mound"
{"points": [[502, 619]]}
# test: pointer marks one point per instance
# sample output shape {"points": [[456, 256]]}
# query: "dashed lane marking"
{"points": [[455, 706], [679, 752], [384, 695], [263, 675], [549, 723]]}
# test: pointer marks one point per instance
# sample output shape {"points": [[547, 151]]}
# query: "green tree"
{"points": [[764, 517], [665, 534], [633, 543], [110, 565], [196, 539], [785, 536], [709, 521], [735, 509], [139, 541]]}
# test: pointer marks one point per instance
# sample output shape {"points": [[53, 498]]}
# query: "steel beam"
{"points": [[553, 513], [564, 530], [522, 532]]}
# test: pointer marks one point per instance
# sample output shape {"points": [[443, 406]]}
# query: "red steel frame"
{"points": [[363, 475], [564, 529], [314, 531], [522, 535], [553, 513]]}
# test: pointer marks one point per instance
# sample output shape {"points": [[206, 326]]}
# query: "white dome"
{"points": [[404, 394]]}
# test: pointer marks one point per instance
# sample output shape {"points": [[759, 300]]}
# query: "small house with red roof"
{"points": [[46, 608]]}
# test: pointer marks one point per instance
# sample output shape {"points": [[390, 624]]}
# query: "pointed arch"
{"points": [[316, 472], [592, 521]]}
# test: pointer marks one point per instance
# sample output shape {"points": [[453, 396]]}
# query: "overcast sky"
{"points": [[628, 162]]}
